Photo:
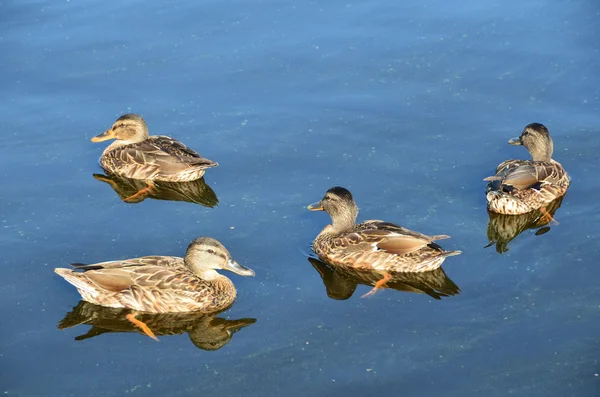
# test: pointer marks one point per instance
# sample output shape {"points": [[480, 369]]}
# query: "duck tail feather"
{"points": [[493, 178]]}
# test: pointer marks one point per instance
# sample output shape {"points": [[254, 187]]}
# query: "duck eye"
{"points": [[211, 251]]}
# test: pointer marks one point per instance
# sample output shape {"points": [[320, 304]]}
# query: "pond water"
{"points": [[407, 104]]}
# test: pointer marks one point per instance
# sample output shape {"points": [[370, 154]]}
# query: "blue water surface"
{"points": [[409, 104]]}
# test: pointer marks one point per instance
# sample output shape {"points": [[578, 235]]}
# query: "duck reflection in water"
{"points": [[341, 282], [502, 229], [206, 331], [136, 190]]}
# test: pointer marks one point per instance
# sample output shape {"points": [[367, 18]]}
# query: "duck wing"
{"points": [[146, 272], [396, 229], [157, 153], [527, 174], [151, 260], [166, 152], [389, 237]]}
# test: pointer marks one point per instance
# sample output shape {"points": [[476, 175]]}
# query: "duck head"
{"points": [[129, 128], [205, 255], [339, 204], [536, 139]]}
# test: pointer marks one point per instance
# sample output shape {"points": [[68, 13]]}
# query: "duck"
{"points": [[136, 155], [523, 186], [373, 244], [161, 284]]}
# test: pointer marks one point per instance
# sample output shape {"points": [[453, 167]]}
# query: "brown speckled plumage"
{"points": [[161, 284], [373, 245], [522, 186], [136, 155]]}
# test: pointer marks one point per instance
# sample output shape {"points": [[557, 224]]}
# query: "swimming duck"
{"points": [[522, 186], [372, 245], [136, 155], [161, 284]]}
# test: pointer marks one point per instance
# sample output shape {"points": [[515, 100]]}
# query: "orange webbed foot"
{"points": [[379, 284], [547, 217], [141, 325], [141, 192]]}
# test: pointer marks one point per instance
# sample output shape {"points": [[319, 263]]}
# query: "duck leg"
{"points": [[142, 192], [141, 325], [547, 217], [379, 284]]}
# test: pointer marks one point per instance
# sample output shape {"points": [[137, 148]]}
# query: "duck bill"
{"points": [[106, 135], [235, 267], [318, 206], [516, 141], [236, 325]]}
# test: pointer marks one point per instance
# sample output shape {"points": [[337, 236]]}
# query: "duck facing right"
{"points": [[161, 284], [522, 186]]}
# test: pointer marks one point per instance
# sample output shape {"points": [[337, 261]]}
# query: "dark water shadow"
{"points": [[341, 282], [502, 229], [136, 190], [206, 331]]}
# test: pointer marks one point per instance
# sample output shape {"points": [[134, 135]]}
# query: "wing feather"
{"points": [[385, 240], [393, 228], [114, 280], [521, 175], [157, 154]]}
